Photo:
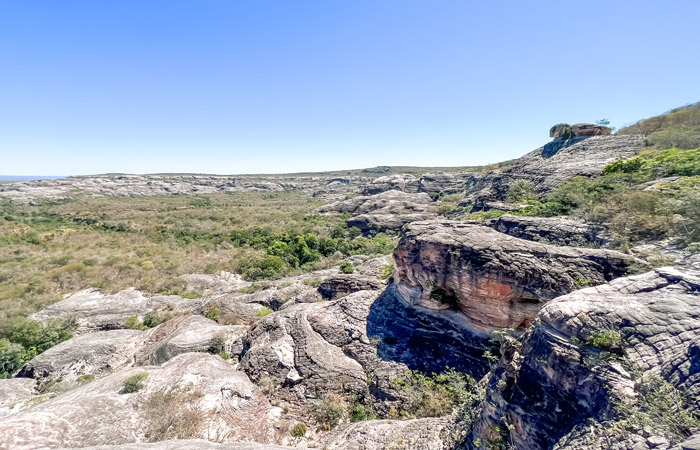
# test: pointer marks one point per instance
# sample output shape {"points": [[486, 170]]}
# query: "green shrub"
{"points": [[521, 191], [330, 409], [213, 313], [12, 357], [313, 282], [434, 395], [84, 379], [347, 267], [217, 344], [387, 272], [134, 323], [37, 337], [134, 383], [152, 319], [262, 312], [609, 340], [299, 430]]}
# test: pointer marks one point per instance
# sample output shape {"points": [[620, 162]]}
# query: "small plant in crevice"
{"points": [[347, 268], [298, 430], [134, 383]]}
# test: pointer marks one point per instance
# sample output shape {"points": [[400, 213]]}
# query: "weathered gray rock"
{"points": [[93, 353], [566, 131], [388, 210], [14, 395], [553, 164], [187, 444], [399, 182], [95, 310], [222, 402], [311, 349], [344, 284], [417, 434], [554, 230], [187, 334], [559, 376]]}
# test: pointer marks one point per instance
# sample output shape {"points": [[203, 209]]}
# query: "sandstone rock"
{"points": [[553, 164], [566, 131], [417, 434], [553, 230], [189, 334], [14, 394], [314, 348], [495, 280], [222, 400], [399, 182], [93, 353], [389, 210], [558, 378], [187, 444], [94, 310], [342, 285]]}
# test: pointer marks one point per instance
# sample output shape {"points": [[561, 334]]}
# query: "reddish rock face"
{"points": [[496, 280]]}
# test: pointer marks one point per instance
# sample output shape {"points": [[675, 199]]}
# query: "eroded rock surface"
{"points": [[553, 230], [560, 376], [94, 310], [223, 401], [388, 210], [342, 285], [495, 280]]}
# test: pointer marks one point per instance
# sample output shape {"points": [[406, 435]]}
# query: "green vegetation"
{"points": [[134, 383], [299, 430], [330, 409], [678, 128], [347, 267], [28, 338], [608, 340], [434, 395], [213, 313], [262, 312], [59, 247], [658, 406], [670, 209], [85, 379], [521, 191], [387, 272]]}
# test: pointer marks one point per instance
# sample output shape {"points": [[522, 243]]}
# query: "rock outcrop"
{"points": [[94, 310], [312, 349], [590, 349], [566, 131], [389, 210], [206, 393], [495, 280], [551, 165], [342, 285], [554, 230]]}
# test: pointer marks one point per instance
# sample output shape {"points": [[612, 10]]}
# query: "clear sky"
{"points": [[234, 86]]}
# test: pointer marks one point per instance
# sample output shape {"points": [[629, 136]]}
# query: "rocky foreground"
{"points": [[572, 345]]}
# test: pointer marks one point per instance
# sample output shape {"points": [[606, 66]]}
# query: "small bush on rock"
{"points": [[347, 267], [330, 409], [299, 430], [134, 383]]}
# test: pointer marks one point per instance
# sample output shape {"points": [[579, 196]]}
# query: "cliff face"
{"points": [[590, 351], [495, 280]]}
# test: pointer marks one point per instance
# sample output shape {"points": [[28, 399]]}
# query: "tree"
{"points": [[603, 122]]}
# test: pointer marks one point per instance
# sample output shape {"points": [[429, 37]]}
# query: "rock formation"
{"points": [[590, 349], [553, 230]]}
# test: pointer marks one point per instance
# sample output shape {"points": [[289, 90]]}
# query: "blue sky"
{"points": [[225, 86]]}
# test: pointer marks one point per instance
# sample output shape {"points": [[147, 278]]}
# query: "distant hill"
{"points": [[14, 178], [678, 128]]}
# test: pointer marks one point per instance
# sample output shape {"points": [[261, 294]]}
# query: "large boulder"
{"points": [[93, 353], [15, 395], [566, 131], [94, 310], [388, 210], [591, 350], [187, 334], [311, 349], [495, 280]]}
